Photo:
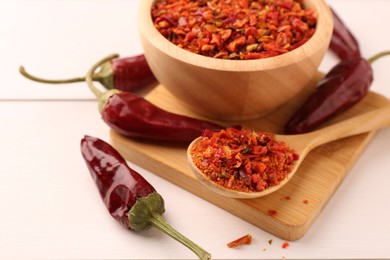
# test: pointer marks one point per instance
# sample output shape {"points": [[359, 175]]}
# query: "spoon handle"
{"points": [[369, 121]]}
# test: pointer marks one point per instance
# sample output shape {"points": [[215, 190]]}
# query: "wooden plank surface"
{"points": [[297, 204]]}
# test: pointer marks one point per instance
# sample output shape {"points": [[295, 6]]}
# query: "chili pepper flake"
{"points": [[242, 159], [285, 245], [306, 201], [244, 240], [273, 213], [235, 29]]}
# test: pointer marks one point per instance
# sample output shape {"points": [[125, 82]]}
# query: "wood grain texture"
{"points": [[316, 180]]}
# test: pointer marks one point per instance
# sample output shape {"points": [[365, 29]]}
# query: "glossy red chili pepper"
{"points": [[126, 74], [133, 116], [343, 43], [129, 198], [341, 88], [114, 178], [131, 73]]}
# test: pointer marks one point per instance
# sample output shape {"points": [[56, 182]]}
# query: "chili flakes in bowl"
{"points": [[235, 29]]}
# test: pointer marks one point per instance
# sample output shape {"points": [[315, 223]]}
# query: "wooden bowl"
{"points": [[234, 89]]}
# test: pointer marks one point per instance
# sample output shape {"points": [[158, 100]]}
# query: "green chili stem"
{"points": [[89, 77], [49, 81], [104, 76], [378, 56], [158, 222], [147, 212]]}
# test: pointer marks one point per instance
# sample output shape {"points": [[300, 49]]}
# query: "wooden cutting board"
{"points": [[297, 204]]}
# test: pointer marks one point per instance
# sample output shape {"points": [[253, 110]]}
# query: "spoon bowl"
{"points": [[303, 144]]}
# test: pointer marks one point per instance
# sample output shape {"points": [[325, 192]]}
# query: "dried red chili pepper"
{"points": [[341, 88], [235, 29], [130, 199], [133, 116], [244, 240], [343, 43], [126, 74]]}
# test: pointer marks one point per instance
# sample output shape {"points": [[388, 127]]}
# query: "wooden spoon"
{"points": [[303, 144]]}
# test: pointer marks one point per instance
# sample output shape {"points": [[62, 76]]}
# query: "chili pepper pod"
{"points": [[343, 43], [126, 74], [342, 87], [133, 116], [131, 73], [129, 198]]}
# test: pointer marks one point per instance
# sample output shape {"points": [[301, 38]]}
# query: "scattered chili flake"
{"points": [[235, 29], [245, 240], [273, 213], [285, 245], [306, 201], [242, 159]]}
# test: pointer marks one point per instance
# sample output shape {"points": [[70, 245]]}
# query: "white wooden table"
{"points": [[49, 206]]}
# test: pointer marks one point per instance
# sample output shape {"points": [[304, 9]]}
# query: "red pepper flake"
{"points": [[242, 159], [285, 245], [245, 240], [306, 201], [273, 213], [235, 29]]}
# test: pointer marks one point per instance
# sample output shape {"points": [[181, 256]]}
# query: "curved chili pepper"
{"points": [[341, 88], [343, 43], [133, 116], [132, 73], [130, 199], [126, 74]]}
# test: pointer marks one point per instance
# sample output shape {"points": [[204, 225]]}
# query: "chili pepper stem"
{"points": [[378, 56], [159, 222], [147, 212], [102, 97], [23, 71], [104, 76]]}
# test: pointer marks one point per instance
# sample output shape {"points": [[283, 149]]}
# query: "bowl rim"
{"points": [[313, 45]]}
